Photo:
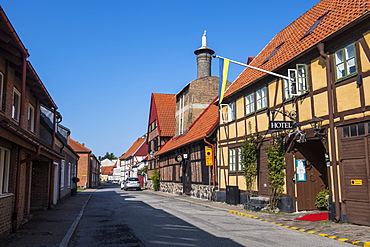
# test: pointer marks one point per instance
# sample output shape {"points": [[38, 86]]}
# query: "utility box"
{"points": [[232, 195]]}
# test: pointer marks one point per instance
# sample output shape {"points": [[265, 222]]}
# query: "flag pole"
{"points": [[252, 67]]}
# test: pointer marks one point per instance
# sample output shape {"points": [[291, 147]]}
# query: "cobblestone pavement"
{"points": [[350, 233]]}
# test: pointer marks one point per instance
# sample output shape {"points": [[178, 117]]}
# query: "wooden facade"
{"points": [[330, 54]]}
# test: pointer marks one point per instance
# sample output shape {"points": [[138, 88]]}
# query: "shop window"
{"points": [[354, 130], [4, 170], [345, 62], [249, 104]]}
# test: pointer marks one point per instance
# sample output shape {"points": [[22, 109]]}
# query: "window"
{"points": [[1, 90], [345, 62], [62, 165], [235, 157], [261, 98], [16, 105], [355, 130], [31, 118], [4, 170], [273, 52], [299, 85], [232, 159], [231, 111], [317, 22], [249, 104]]}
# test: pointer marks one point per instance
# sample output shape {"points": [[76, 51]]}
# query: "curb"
{"points": [[359, 243], [73, 227]]}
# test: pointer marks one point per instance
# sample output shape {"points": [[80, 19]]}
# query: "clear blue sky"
{"points": [[101, 60]]}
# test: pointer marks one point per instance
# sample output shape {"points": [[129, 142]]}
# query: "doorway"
{"points": [[313, 177]]}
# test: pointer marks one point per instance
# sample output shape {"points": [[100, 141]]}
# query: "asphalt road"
{"points": [[115, 217]]}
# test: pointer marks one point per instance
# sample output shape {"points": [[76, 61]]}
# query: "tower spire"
{"points": [[204, 58]]}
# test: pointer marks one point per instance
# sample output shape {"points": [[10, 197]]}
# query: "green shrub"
{"points": [[155, 177], [322, 201]]}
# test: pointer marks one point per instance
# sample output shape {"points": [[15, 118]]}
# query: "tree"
{"points": [[109, 156]]}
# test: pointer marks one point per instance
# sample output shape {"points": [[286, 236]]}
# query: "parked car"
{"points": [[131, 183]]}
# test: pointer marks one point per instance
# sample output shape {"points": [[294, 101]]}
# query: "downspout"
{"points": [[334, 162], [213, 161], [23, 93], [54, 128]]}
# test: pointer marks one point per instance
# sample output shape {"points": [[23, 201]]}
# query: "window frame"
{"points": [[16, 105], [261, 98], [31, 114], [235, 157], [231, 110], [4, 170], [249, 104], [1, 90], [345, 62]]}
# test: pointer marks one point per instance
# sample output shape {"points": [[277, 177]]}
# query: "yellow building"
{"points": [[326, 52]]}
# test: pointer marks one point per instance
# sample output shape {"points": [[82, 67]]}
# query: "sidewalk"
{"points": [[55, 227], [52, 227]]}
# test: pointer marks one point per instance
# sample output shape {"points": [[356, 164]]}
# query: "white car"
{"points": [[131, 183]]}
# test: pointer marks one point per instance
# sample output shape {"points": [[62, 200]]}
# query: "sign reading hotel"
{"points": [[281, 125], [209, 160]]}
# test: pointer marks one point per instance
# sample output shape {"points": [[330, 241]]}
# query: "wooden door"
{"points": [[313, 152], [186, 177], [263, 183]]}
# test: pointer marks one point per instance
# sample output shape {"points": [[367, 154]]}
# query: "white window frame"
{"points": [[69, 174], [4, 170], [1, 90], [261, 98], [16, 105], [232, 160], [231, 111], [249, 104], [31, 118], [62, 171], [344, 62]]}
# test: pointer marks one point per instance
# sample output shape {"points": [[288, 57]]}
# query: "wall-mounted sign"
{"points": [[300, 165], [209, 160], [356, 182], [281, 125], [179, 158]]}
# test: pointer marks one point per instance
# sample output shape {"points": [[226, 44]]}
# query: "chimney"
{"points": [[204, 58]]}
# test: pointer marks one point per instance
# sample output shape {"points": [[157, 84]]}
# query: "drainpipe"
{"points": [[54, 128], [22, 119], [213, 161], [334, 162]]}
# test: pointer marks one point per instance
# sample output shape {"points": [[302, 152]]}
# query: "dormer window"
{"points": [[273, 52]]}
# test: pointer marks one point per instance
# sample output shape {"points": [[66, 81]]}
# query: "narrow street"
{"points": [[115, 217]]}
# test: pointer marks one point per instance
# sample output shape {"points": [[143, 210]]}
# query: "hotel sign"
{"points": [[281, 125]]}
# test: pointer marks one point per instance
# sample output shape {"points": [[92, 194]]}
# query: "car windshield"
{"points": [[132, 179]]}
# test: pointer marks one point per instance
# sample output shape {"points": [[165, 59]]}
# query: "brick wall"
{"points": [[40, 185], [83, 170], [6, 207]]}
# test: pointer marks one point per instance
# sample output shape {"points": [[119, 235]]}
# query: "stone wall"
{"points": [[197, 190]]}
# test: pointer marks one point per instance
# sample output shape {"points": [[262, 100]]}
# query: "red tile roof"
{"points": [[133, 149], [77, 147], [107, 170], [165, 105], [339, 14], [202, 126]]}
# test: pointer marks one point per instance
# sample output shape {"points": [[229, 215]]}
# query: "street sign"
{"points": [[356, 182], [209, 160]]}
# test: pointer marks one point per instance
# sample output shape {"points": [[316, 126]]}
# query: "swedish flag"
{"points": [[224, 70]]}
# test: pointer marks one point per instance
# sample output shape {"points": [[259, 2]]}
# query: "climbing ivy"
{"points": [[249, 159], [276, 166]]}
